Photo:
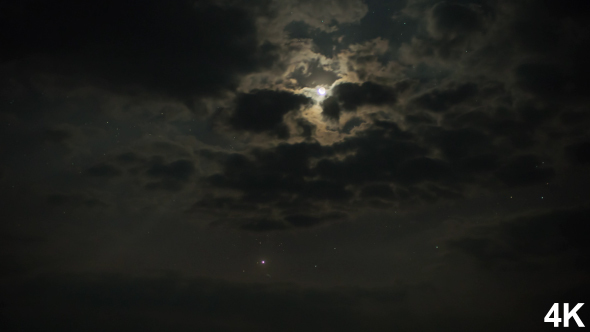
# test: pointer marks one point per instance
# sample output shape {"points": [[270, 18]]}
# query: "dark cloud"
{"points": [[129, 158], [351, 124], [264, 225], [103, 170], [352, 95], [557, 71], [383, 152], [378, 153], [479, 163], [303, 220], [462, 143], [423, 169], [178, 170], [298, 30], [263, 110], [175, 48], [307, 128], [300, 220], [281, 177], [172, 176], [419, 118], [269, 171], [220, 204], [385, 19], [520, 134], [324, 43], [476, 119], [378, 190], [331, 108], [326, 190], [441, 100], [270, 175]]}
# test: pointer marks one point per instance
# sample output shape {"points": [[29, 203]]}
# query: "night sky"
{"points": [[171, 165]]}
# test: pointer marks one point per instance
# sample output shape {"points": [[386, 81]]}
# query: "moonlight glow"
{"points": [[321, 91]]}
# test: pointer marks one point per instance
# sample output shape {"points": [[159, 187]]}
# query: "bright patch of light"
{"points": [[322, 91], [262, 262]]}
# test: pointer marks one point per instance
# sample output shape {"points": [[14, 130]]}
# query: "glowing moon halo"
{"points": [[321, 91]]}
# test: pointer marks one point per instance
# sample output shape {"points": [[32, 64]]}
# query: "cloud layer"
{"points": [[450, 150]]}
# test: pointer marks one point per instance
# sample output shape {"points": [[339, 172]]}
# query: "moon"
{"points": [[321, 91]]}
